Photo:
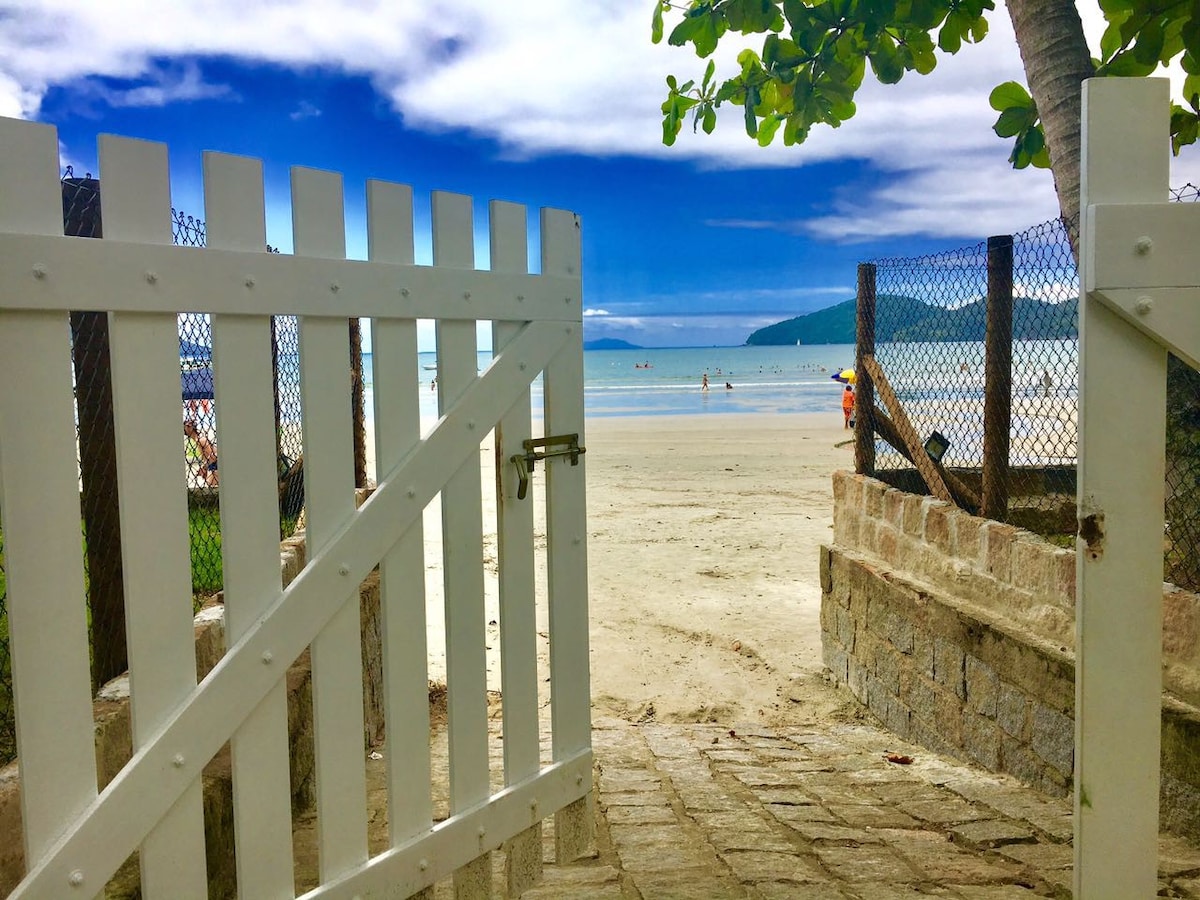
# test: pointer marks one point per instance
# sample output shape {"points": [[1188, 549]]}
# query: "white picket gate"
{"points": [[1140, 297], [75, 837]]}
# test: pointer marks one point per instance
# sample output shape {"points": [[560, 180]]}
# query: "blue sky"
{"points": [[547, 103]]}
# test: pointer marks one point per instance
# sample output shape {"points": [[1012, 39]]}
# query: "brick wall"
{"points": [[956, 633]]}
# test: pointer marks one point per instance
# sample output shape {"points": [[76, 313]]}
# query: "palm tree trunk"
{"points": [[1056, 57]]}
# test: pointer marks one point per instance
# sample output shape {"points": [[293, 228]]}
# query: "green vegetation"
{"points": [[814, 55], [204, 531], [906, 319]]}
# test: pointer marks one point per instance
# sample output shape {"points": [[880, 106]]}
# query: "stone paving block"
{"points": [[1041, 856], [799, 765], [687, 884], [754, 866], [742, 819], [663, 855], [1189, 887], [945, 864], [990, 833], [694, 769], [833, 833], [946, 811], [665, 742], [776, 890], [792, 815], [614, 783], [726, 839], [576, 881], [784, 752], [787, 796], [640, 815], [744, 757], [903, 791], [633, 798], [759, 777], [711, 798], [899, 892], [1060, 827], [623, 835], [996, 892], [842, 793], [874, 774], [861, 816], [876, 863], [856, 763], [1177, 857]]}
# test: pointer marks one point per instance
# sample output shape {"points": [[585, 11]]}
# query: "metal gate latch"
{"points": [[568, 444]]}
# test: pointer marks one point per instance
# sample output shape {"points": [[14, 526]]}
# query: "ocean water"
{"points": [[668, 381], [939, 384]]}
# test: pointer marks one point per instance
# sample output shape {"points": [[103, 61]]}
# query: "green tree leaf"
{"points": [[1009, 94]]}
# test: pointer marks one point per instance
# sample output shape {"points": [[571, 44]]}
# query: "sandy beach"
{"points": [[703, 539]]}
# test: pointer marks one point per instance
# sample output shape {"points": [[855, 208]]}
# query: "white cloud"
{"points": [[305, 110], [595, 312], [547, 76]]}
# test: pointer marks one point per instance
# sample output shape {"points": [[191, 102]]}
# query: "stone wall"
{"points": [[114, 740], [957, 633]]}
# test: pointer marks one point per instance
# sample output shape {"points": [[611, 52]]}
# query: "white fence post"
{"points": [[566, 541], [1118, 680]]}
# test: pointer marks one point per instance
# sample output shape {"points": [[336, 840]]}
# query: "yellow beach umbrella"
{"points": [[845, 376]]}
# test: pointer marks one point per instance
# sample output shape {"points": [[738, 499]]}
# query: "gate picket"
{"points": [[401, 576], [153, 509], [514, 551], [39, 505], [319, 230], [462, 551], [245, 402]]}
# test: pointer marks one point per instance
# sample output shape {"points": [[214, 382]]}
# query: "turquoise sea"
{"points": [[668, 381], [940, 385]]}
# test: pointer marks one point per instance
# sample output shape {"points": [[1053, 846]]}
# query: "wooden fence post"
{"points": [[864, 401], [997, 385], [97, 454]]}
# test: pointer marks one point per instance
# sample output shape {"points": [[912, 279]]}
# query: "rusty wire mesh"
{"points": [[929, 339], [1182, 533], [931, 323]]}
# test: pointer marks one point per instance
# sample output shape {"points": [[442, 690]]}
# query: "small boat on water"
{"points": [[429, 367]]}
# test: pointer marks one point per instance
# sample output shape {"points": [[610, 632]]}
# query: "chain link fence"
{"points": [[1016, 424], [1182, 536]]}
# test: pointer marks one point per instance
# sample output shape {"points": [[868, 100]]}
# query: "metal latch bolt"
{"points": [[568, 444]]}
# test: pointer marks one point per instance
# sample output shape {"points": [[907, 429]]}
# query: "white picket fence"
{"points": [[1140, 297], [75, 837]]}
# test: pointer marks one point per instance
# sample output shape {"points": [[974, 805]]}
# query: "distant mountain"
{"points": [[609, 344], [906, 319]]}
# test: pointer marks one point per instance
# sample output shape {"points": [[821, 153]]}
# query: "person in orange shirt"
{"points": [[848, 404]]}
